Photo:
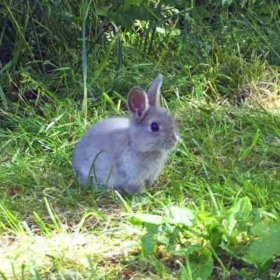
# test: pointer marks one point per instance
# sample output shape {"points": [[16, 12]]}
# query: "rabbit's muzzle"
{"points": [[172, 141]]}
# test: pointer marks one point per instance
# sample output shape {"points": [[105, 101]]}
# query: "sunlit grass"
{"points": [[51, 226], [220, 80]]}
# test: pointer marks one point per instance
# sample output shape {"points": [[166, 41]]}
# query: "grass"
{"points": [[51, 227], [203, 219]]}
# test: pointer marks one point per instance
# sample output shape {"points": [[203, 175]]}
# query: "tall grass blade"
{"points": [[4, 99], [11, 219], [35, 273], [53, 216], [41, 223], [92, 268], [213, 199], [3, 277], [84, 60], [18, 26], [104, 62], [126, 206], [119, 55]]}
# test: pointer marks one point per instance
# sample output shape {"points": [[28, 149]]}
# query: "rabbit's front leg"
{"points": [[132, 189]]}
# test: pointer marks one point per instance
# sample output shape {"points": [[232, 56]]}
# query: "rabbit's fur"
{"points": [[125, 153]]}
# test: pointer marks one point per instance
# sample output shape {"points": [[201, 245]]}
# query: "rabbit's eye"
{"points": [[154, 126]]}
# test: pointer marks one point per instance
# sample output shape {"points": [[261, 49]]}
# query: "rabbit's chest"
{"points": [[143, 167]]}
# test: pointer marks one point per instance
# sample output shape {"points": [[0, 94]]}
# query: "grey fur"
{"points": [[123, 153]]}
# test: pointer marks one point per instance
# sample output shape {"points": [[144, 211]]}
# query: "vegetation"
{"points": [[214, 213]]}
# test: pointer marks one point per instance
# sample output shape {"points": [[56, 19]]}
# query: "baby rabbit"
{"points": [[128, 154]]}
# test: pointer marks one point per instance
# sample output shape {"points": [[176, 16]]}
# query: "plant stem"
{"points": [[84, 61]]}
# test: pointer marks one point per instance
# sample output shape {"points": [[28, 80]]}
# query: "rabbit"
{"points": [[128, 154]]}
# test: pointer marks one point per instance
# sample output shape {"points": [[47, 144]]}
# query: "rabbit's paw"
{"points": [[132, 189]]}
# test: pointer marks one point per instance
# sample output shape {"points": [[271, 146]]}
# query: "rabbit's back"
{"points": [[99, 145]]}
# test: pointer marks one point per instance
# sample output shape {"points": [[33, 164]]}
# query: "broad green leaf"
{"points": [[201, 264], [152, 228], [148, 242], [175, 32], [148, 218], [160, 30], [161, 239], [239, 213], [102, 11], [267, 244], [226, 3], [174, 234], [178, 215], [215, 233], [242, 209], [184, 252]]}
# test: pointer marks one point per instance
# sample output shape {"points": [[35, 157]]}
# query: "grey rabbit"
{"points": [[128, 154]]}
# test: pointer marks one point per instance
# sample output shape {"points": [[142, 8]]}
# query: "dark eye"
{"points": [[154, 126]]}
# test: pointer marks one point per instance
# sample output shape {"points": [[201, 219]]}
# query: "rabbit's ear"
{"points": [[154, 91], [138, 102]]}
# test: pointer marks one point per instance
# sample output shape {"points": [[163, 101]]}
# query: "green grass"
{"points": [[51, 227], [214, 212]]}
